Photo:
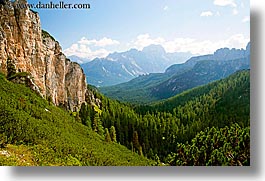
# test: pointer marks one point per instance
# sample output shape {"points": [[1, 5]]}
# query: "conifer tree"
{"points": [[107, 136], [136, 143], [11, 69], [113, 134], [95, 124]]}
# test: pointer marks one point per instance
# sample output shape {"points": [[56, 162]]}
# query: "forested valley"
{"points": [[207, 125]]}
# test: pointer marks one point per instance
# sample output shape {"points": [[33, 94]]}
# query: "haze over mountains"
{"points": [[177, 78], [122, 67]]}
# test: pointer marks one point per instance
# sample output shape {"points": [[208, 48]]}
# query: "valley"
{"points": [[122, 67], [158, 131], [177, 78], [142, 107]]}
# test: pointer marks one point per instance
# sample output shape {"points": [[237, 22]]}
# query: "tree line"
{"points": [[155, 131]]}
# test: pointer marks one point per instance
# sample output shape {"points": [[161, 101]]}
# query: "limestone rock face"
{"points": [[36, 52]]}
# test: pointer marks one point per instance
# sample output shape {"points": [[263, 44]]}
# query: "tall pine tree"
{"points": [[113, 134]]}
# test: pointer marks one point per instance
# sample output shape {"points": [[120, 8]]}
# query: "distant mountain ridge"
{"points": [[223, 54], [122, 67], [77, 59], [197, 71]]}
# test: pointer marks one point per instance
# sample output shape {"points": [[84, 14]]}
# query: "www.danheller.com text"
{"points": [[50, 5]]}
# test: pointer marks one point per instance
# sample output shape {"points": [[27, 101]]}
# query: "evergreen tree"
{"points": [[84, 114], [95, 124], [100, 129], [141, 151], [11, 69], [136, 143], [107, 136], [113, 134]]}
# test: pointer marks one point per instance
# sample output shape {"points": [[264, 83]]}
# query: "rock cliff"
{"points": [[33, 50]]}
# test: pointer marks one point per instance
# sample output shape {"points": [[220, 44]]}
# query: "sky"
{"points": [[195, 26]]}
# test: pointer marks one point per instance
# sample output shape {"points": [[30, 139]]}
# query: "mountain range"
{"points": [[122, 67], [49, 116], [196, 71], [77, 59]]}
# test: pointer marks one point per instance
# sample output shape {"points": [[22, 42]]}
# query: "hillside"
{"points": [[202, 73], [180, 77], [228, 146], [227, 97], [195, 113], [156, 130], [48, 135]]}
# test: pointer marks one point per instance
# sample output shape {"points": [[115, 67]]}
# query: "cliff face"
{"points": [[31, 50]]}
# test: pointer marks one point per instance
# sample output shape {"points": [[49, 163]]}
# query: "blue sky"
{"points": [[197, 26]]}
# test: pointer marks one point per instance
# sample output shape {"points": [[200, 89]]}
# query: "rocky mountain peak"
{"points": [[154, 49], [248, 49], [228, 54], [36, 52]]}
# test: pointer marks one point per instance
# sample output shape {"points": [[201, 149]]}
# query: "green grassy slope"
{"points": [[50, 135]]}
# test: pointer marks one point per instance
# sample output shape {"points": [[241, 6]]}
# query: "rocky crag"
{"points": [[32, 50]]}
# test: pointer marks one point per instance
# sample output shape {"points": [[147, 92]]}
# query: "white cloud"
{"points": [[218, 13], [90, 49], [191, 45], [237, 41], [225, 3], [206, 14], [79, 50], [145, 40], [83, 51], [235, 11], [106, 42], [99, 43], [83, 48], [85, 41], [100, 53], [165, 8], [246, 19]]}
